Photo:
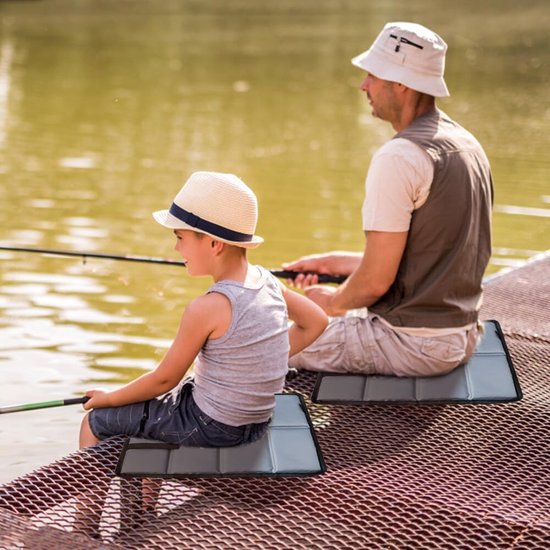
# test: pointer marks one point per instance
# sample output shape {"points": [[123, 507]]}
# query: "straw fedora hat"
{"points": [[216, 204], [410, 54]]}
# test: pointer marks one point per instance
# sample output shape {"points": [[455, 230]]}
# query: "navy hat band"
{"points": [[212, 228]]}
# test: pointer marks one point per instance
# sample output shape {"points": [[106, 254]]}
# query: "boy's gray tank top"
{"points": [[238, 374]]}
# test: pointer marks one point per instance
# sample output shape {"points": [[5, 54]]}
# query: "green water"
{"points": [[107, 106]]}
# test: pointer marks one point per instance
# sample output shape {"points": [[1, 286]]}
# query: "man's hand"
{"points": [[330, 263], [317, 263]]}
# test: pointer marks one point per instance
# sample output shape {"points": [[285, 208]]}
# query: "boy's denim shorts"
{"points": [[172, 418]]}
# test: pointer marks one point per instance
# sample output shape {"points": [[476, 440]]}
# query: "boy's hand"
{"points": [[322, 296], [98, 399]]}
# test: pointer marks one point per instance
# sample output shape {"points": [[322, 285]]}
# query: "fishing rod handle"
{"points": [[76, 400], [323, 278]]}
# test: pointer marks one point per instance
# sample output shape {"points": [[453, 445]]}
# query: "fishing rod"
{"points": [[85, 255], [44, 405], [280, 273]]}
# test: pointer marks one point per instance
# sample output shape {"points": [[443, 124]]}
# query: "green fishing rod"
{"points": [[280, 273], [44, 405]]}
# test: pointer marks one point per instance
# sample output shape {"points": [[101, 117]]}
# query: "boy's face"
{"points": [[192, 247]]}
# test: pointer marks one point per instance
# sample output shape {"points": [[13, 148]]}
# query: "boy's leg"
{"points": [[127, 420], [88, 509], [87, 437], [151, 490]]}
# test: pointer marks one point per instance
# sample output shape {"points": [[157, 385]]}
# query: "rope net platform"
{"points": [[398, 477]]}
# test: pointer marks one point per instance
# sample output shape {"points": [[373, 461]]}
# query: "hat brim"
{"points": [[386, 69], [164, 218]]}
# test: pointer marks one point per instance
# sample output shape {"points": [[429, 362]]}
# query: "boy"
{"points": [[238, 332]]}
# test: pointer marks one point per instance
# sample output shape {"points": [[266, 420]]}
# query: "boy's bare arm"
{"points": [[199, 320], [309, 320]]}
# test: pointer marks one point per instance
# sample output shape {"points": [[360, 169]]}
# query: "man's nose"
{"points": [[365, 84]]}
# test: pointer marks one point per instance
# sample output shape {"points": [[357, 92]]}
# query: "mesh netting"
{"points": [[423, 476]]}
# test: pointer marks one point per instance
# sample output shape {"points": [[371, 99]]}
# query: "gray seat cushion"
{"points": [[288, 448], [488, 377]]}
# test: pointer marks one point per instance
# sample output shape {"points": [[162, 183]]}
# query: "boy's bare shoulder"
{"points": [[207, 303], [212, 312]]}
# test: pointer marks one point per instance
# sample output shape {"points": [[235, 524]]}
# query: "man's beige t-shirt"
{"points": [[398, 182]]}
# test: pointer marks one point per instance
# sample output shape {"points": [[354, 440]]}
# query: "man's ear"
{"points": [[401, 87]]}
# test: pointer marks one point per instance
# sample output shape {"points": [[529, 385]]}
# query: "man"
{"points": [[427, 221]]}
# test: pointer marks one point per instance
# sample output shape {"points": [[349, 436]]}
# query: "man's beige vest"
{"points": [[438, 283]]}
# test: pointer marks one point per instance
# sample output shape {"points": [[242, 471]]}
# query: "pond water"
{"points": [[106, 108]]}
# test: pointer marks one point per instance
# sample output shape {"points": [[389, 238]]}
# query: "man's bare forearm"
{"points": [[355, 292], [374, 273]]}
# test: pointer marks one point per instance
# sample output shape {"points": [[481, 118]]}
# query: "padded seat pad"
{"points": [[288, 448], [488, 377]]}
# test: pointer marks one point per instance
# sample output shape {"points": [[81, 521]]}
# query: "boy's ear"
{"points": [[217, 246]]}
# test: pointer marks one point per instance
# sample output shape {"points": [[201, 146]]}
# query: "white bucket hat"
{"points": [[410, 54], [216, 204]]}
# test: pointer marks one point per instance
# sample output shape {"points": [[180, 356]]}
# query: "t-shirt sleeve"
{"points": [[398, 182]]}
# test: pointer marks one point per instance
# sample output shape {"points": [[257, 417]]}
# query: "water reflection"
{"points": [[523, 210], [103, 114], [78, 162], [54, 339], [6, 57]]}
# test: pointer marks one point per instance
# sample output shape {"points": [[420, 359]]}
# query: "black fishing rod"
{"points": [[280, 273], [85, 255]]}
